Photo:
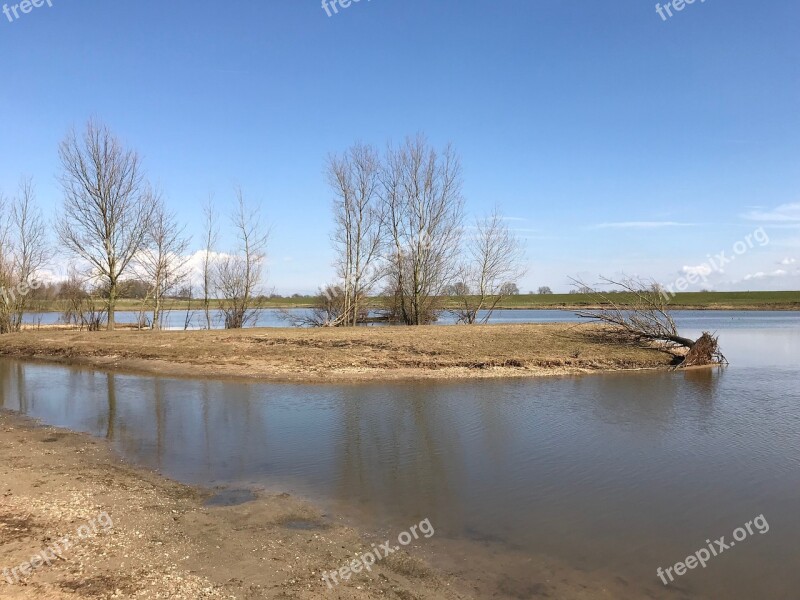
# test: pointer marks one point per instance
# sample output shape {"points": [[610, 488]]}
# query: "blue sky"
{"points": [[616, 141]]}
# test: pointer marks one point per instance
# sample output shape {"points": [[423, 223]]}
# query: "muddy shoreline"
{"points": [[341, 355]]}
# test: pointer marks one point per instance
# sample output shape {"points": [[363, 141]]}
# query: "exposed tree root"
{"points": [[705, 351]]}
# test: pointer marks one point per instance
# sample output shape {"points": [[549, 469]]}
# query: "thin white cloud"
{"points": [[787, 261], [785, 213], [763, 275], [640, 225], [792, 242], [699, 270]]}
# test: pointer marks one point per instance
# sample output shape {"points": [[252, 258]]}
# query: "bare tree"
{"points": [[239, 274], [357, 238], [211, 233], [509, 288], [458, 288], [107, 205], [642, 315], [24, 250], [423, 210], [163, 258], [544, 291], [493, 257]]}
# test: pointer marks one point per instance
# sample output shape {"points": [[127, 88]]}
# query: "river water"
{"points": [[601, 477], [272, 317]]}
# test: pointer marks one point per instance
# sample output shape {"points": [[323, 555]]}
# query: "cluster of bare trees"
{"points": [[399, 225], [116, 227], [399, 231], [115, 222]]}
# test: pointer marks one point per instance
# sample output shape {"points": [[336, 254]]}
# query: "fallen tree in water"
{"points": [[645, 319]]}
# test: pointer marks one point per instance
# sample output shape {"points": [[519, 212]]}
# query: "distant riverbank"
{"points": [[322, 355], [680, 301]]}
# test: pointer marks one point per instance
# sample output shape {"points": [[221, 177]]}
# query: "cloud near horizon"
{"points": [[785, 213], [700, 270], [763, 275], [641, 225]]}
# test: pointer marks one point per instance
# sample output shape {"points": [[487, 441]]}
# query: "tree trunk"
{"points": [[682, 341], [156, 324], [112, 303]]}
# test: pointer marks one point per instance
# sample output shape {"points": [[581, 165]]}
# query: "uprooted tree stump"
{"points": [[704, 351], [644, 318]]}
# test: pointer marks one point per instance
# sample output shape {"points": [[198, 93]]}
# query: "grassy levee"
{"points": [[682, 300]]}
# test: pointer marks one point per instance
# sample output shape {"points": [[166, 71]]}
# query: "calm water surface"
{"points": [[271, 317], [615, 474]]}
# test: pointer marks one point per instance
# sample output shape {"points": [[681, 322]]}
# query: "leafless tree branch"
{"points": [[645, 318]]}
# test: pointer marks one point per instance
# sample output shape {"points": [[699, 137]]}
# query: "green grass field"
{"points": [[691, 300], [300, 302]]}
